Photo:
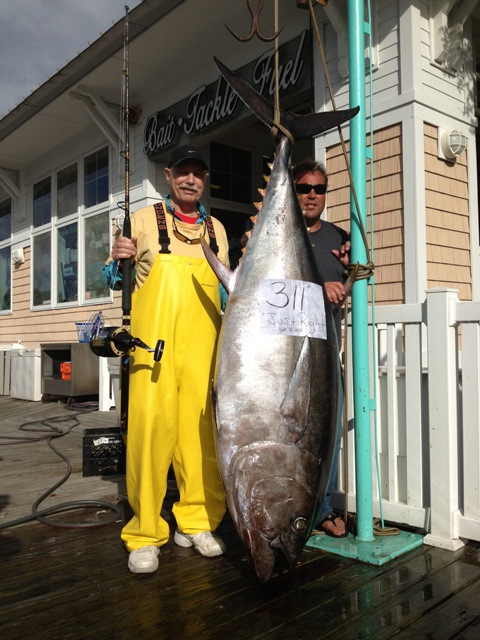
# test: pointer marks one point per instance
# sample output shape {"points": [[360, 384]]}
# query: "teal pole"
{"points": [[360, 349], [365, 546]]}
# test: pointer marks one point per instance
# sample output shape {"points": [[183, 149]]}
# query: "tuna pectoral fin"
{"points": [[300, 126], [296, 402], [226, 277]]}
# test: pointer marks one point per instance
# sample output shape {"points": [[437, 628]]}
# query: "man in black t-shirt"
{"points": [[330, 243], [331, 247]]}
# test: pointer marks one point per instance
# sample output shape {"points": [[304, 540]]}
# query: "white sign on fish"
{"points": [[292, 308]]}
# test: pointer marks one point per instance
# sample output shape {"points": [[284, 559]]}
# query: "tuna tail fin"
{"points": [[225, 275], [300, 126]]}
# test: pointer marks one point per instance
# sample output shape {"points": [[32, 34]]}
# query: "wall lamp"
{"points": [[18, 256], [451, 144]]}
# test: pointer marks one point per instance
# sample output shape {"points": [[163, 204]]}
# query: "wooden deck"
{"points": [[59, 583]]}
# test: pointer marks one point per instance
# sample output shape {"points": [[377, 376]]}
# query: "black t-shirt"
{"points": [[329, 237]]}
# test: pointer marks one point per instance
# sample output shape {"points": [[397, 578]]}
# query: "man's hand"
{"points": [[335, 292], [124, 248], [343, 254]]}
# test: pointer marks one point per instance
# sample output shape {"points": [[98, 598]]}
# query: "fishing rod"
{"points": [[118, 341]]}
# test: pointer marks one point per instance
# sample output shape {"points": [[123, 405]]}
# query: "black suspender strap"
{"points": [[163, 239], [211, 234]]}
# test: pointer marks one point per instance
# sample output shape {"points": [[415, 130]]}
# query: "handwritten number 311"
{"points": [[283, 299]]}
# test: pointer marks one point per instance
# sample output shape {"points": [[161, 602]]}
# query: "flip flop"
{"points": [[330, 517]]}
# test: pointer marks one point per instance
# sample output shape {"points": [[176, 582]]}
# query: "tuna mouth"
{"points": [[282, 557], [271, 557], [277, 549]]}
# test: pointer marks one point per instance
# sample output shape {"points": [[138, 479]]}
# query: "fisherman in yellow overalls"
{"points": [[176, 298]]}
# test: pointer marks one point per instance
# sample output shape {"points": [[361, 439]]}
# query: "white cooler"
{"points": [[26, 374]]}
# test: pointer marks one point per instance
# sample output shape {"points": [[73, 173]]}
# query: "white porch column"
{"points": [[443, 418]]}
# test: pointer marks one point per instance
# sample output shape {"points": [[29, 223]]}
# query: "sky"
{"points": [[39, 37]]}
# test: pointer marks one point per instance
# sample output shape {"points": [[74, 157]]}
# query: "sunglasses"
{"points": [[304, 188]]}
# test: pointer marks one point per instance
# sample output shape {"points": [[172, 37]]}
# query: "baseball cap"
{"points": [[186, 152]]}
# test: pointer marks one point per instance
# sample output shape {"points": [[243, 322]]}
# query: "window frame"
{"points": [[6, 245], [43, 181], [78, 217]]}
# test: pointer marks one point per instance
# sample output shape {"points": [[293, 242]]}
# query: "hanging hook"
{"points": [[255, 30]]}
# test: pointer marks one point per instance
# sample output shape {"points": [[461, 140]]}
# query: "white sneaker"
{"points": [[205, 542], [144, 559]]}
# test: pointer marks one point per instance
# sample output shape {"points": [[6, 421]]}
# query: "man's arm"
{"points": [[335, 290]]}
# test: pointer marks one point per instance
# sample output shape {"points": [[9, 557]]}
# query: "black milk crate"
{"points": [[104, 452]]}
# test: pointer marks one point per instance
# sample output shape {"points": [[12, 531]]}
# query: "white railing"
{"points": [[427, 378]]}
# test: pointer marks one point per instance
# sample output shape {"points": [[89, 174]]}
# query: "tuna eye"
{"points": [[300, 524]]}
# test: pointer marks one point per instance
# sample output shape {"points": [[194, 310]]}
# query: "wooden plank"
{"points": [[393, 348], [443, 427], [404, 313], [472, 632], [414, 415], [455, 616], [471, 420], [62, 583], [379, 606], [468, 311]]}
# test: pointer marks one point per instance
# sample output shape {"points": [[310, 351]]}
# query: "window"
{"points": [[97, 243], [42, 202], [230, 173], [42, 269], [5, 254], [231, 183], [68, 256], [96, 178], [5, 219], [67, 191], [67, 261], [5, 278]]}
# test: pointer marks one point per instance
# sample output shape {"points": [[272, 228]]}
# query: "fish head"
{"points": [[273, 505]]}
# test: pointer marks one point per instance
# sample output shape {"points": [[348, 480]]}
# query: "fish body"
{"points": [[277, 378]]}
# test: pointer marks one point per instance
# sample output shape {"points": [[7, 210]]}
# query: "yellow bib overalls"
{"points": [[170, 417]]}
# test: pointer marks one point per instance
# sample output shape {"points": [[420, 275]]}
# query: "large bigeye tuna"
{"points": [[276, 386]]}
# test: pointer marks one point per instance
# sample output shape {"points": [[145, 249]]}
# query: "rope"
{"points": [[277, 126]]}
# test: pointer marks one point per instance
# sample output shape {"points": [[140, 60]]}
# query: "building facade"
{"points": [[62, 173]]}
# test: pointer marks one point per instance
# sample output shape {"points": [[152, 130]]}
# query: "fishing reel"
{"points": [[118, 341]]}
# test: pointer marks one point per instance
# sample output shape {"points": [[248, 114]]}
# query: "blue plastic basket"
{"points": [[83, 331], [90, 329]]}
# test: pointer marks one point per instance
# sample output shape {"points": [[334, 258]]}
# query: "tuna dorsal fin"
{"points": [[225, 275], [300, 126], [296, 402]]}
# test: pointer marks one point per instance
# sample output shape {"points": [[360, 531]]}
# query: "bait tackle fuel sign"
{"points": [[211, 105]]}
